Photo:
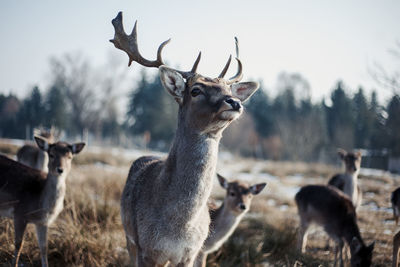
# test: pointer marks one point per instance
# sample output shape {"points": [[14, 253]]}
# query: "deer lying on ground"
{"points": [[348, 181], [30, 196], [334, 211], [164, 202], [32, 156], [395, 200], [396, 249], [226, 218]]}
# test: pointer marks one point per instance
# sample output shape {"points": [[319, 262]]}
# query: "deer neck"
{"points": [[351, 185], [52, 197], [223, 224], [226, 221], [189, 170], [351, 231], [43, 161]]}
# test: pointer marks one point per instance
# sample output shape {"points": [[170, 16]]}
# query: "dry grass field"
{"points": [[88, 232]]}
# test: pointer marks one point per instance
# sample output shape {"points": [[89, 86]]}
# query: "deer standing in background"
{"points": [[164, 202], [348, 181], [30, 196], [395, 200], [334, 211], [226, 218], [32, 156]]}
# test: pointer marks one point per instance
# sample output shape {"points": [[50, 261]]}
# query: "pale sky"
{"points": [[323, 40]]}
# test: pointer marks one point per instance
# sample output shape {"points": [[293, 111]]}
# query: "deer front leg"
{"points": [[302, 237], [396, 246], [41, 232], [19, 229], [144, 260], [132, 251]]}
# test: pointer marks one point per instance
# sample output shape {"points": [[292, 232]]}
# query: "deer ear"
{"points": [[42, 143], [244, 90], [222, 181], [77, 147], [257, 188], [371, 246], [342, 153], [173, 82]]}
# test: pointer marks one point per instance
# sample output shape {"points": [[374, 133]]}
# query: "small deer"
{"points": [[395, 199], [348, 181], [226, 218], [164, 202], [32, 156], [396, 249], [30, 196], [333, 210]]}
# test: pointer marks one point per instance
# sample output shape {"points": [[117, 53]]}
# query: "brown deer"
{"points": [[395, 200], [30, 196], [334, 211], [226, 218], [32, 156], [396, 249], [348, 181], [164, 202]]}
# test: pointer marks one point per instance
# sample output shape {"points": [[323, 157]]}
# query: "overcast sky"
{"points": [[323, 40]]}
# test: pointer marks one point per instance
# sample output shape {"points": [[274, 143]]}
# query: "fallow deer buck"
{"points": [[226, 218], [34, 157], [164, 202], [395, 200], [333, 210], [348, 181], [30, 196]]}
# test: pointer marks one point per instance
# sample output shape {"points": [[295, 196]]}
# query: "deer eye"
{"points": [[232, 194], [195, 92], [51, 155]]}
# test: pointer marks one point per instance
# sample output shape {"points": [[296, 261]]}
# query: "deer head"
{"points": [[206, 104], [352, 161], [60, 154], [239, 195]]}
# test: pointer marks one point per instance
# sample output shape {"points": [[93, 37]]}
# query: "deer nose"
{"points": [[242, 206], [234, 103], [60, 170]]}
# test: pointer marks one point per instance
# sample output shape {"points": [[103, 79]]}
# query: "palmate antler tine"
{"points": [[225, 68], [192, 72], [237, 46], [239, 75], [196, 63], [128, 43]]}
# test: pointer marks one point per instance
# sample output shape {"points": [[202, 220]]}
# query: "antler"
{"points": [[128, 43], [239, 74]]}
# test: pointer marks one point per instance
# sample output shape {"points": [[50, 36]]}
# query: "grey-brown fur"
{"points": [[334, 211], [226, 218], [32, 156], [30, 196], [348, 181]]}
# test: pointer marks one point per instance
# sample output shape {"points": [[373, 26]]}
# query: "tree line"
{"points": [[288, 126]]}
